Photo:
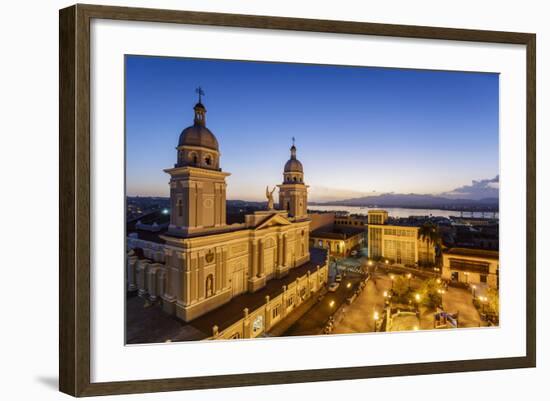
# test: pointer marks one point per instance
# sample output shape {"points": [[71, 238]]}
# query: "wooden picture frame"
{"points": [[74, 204]]}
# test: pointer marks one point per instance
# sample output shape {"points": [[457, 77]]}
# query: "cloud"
{"points": [[479, 189]]}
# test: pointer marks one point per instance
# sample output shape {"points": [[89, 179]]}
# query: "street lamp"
{"points": [[474, 291], [376, 317], [409, 277], [483, 303], [417, 299], [392, 277]]}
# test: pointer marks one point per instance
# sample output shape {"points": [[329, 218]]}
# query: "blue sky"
{"points": [[358, 130]]}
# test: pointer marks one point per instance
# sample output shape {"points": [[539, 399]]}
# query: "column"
{"points": [[260, 258], [131, 273], [142, 268], [200, 281], [193, 278], [254, 264], [285, 249], [151, 282], [225, 282], [279, 250], [223, 214], [198, 205], [187, 288], [218, 278]]}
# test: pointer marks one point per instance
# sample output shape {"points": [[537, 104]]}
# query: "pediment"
{"points": [[273, 220]]}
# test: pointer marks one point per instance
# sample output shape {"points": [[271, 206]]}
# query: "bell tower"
{"points": [[293, 191], [197, 183]]}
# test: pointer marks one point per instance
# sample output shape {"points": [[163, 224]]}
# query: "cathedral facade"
{"points": [[202, 262]]}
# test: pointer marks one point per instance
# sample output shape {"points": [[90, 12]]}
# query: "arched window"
{"points": [[294, 178], [208, 160], [209, 285]]}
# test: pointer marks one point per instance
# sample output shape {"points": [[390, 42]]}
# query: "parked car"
{"points": [[338, 278], [333, 287]]}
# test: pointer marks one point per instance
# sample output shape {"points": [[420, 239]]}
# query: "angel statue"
{"points": [[269, 196]]}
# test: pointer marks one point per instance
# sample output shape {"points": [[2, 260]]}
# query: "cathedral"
{"points": [[201, 261]]}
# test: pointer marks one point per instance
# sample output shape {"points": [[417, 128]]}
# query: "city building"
{"points": [[351, 221], [471, 266], [397, 243], [200, 263], [339, 239]]}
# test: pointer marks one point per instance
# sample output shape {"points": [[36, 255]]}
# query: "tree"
{"points": [[492, 301], [400, 289], [430, 293], [430, 234]]}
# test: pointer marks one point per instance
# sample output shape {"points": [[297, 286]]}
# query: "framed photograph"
{"points": [[249, 200]]}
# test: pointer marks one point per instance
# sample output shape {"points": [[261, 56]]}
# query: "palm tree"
{"points": [[429, 233]]}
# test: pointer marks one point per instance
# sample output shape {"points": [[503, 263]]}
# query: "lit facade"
{"points": [[331, 232], [202, 262], [398, 244], [471, 266]]}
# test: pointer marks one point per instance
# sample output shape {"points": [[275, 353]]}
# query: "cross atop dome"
{"points": [[200, 92], [200, 110]]}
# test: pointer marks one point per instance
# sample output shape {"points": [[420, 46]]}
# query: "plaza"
{"points": [[368, 308]]}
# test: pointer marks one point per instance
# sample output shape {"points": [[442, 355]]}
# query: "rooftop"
{"points": [[488, 254], [144, 324], [336, 232]]}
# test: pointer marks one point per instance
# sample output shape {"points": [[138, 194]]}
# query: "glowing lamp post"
{"points": [[409, 277], [376, 317], [392, 277], [417, 299]]}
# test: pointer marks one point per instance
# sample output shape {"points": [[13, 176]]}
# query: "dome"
{"points": [[293, 165], [198, 135]]}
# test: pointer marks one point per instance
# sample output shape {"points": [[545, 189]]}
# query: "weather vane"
{"points": [[200, 92], [293, 140]]}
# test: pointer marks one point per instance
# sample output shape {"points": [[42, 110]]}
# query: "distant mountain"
{"points": [[482, 194], [416, 201], [243, 203]]}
